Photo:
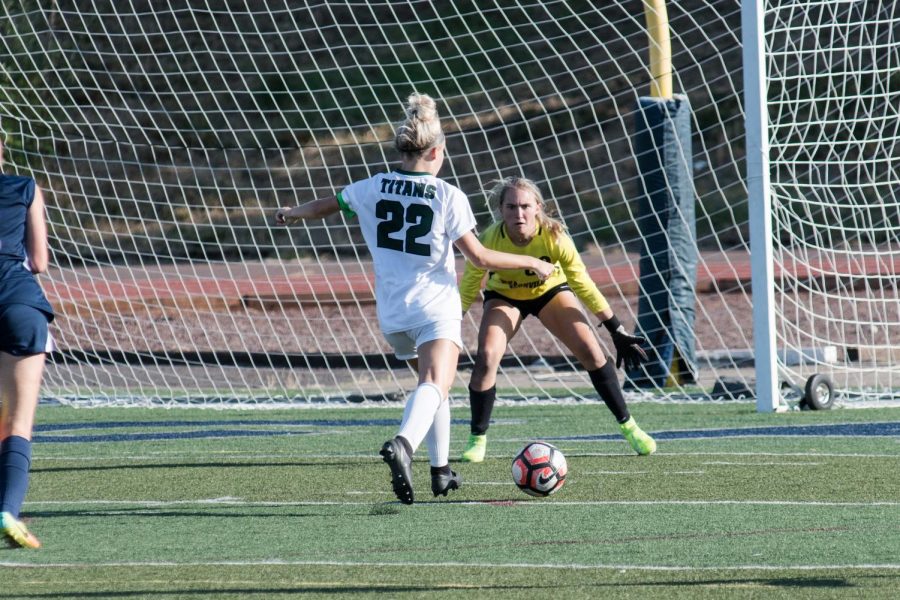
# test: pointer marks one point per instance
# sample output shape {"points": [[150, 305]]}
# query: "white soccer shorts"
{"points": [[406, 343]]}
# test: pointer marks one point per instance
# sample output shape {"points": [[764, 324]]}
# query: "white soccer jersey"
{"points": [[410, 221]]}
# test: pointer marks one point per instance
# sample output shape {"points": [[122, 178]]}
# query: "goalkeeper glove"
{"points": [[628, 347]]}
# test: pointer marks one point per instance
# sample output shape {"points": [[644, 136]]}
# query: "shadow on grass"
{"points": [[240, 512], [556, 588], [204, 465], [781, 582]]}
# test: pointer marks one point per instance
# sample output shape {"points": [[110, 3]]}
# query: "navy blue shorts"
{"points": [[23, 330], [528, 307]]}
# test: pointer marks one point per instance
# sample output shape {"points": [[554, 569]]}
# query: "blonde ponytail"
{"points": [[422, 128]]}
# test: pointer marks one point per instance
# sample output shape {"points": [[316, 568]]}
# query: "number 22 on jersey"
{"points": [[394, 216]]}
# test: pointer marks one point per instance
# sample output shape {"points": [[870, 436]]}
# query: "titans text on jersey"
{"points": [[406, 187]]}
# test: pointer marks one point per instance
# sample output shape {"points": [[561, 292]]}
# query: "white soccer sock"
{"points": [[438, 438], [418, 415]]}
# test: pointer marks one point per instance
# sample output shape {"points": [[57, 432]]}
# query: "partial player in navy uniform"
{"points": [[410, 220], [25, 315]]}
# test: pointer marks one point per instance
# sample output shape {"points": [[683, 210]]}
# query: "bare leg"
{"points": [[20, 381], [437, 369], [20, 384], [499, 324], [564, 318]]}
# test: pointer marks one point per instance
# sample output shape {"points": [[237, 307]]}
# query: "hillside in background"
{"points": [[173, 133]]}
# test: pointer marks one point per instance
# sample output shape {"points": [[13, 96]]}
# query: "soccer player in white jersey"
{"points": [[410, 220]]}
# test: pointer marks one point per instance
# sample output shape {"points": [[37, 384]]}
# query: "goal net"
{"points": [[833, 101], [165, 135]]}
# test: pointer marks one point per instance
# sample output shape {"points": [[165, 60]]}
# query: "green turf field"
{"points": [[190, 503]]}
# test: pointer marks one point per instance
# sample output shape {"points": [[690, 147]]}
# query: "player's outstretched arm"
{"points": [[316, 209], [36, 248], [485, 258], [628, 347]]}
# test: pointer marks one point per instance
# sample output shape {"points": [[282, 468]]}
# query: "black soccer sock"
{"points": [[482, 405], [606, 382]]}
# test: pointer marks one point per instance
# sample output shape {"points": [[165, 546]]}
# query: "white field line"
{"points": [[247, 455], [751, 430], [337, 563], [761, 464], [614, 472], [701, 438], [470, 482], [189, 455], [695, 472], [663, 454], [543, 505]]}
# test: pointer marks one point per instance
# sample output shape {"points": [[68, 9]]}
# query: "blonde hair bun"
{"points": [[421, 107], [422, 128]]}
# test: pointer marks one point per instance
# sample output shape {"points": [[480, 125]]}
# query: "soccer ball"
{"points": [[539, 469]]}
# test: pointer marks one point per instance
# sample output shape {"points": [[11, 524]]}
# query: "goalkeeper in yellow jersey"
{"points": [[510, 296]]}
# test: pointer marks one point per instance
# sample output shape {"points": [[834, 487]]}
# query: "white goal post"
{"points": [[166, 134], [822, 95]]}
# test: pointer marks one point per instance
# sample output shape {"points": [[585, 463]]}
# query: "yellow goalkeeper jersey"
{"points": [[524, 284]]}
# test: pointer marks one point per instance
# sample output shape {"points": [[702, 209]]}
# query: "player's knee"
{"points": [[593, 360], [479, 371], [485, 365]]}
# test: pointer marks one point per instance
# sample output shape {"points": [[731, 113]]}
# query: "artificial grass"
{"points": [[297, 503]]}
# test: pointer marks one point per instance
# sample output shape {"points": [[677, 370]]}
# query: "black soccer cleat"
{"points": [[400, 462], [441, 483]]}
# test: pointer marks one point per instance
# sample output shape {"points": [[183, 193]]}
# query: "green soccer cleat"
{"points": [[642, 443], [475, 449], [16, 533]]}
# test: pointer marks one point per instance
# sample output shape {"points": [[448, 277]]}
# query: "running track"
{"points": [[238, 285]]}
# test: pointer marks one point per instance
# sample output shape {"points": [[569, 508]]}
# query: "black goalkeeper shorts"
{"points": [[528, 307]]}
